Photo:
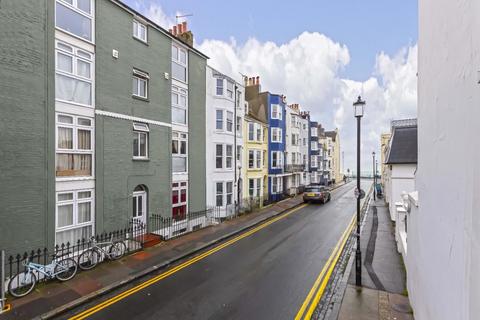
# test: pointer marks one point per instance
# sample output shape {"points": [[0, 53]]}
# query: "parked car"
{"points": [[316, 193]]}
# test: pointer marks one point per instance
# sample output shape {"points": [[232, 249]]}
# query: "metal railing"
{"points": [[133, 237]]}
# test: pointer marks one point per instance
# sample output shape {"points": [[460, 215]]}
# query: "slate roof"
{"points": [[404, 146], [331, 134]]}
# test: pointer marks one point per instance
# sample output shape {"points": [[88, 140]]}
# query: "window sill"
{"points": [[140, 98], [140, 159], [73, 178], [180, 173], [141, 40]]}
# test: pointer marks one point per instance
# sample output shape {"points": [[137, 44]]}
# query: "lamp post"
{"points": [[358, 108], [374, 178]]}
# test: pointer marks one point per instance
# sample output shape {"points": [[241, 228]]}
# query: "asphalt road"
{"points": [[266, 275]]}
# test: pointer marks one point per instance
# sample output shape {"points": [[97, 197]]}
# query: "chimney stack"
{"points": [[258, 80], [184, 26], [174, 30], [180, 28]]}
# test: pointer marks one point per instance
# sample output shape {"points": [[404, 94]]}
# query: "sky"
{"points": [[321, 54]]}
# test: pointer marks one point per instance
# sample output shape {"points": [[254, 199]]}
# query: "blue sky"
{"points": [[366, 27], [321, 54]]}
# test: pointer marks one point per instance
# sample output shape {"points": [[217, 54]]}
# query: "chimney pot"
{"points": [[184, 26], [180, 29], [258, 80], [170, 30], [174, 30]]}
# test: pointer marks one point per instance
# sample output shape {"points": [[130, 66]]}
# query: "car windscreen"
{"points": [[312, 190]]}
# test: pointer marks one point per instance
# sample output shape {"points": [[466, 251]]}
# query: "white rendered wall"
{"points": [[402, 179], [443, 262], [214, 136]]}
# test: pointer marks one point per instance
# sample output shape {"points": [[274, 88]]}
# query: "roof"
{"points": [[331, 134], [403, 146], [122, 4]]}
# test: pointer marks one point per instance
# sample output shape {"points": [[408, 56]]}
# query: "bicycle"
{"points": [[93, 255], [24, 282]]}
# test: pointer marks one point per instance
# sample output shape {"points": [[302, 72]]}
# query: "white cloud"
{"points": [[155, 12], [306, 69]]}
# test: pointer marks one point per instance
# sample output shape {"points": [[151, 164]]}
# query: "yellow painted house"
{"points": [[255, 146]]}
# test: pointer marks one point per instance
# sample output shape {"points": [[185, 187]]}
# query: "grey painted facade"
{"points": [[27, 124], [27, 150]]}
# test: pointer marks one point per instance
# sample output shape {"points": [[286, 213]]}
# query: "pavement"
{"points": [[256, 271], [383, 293]]}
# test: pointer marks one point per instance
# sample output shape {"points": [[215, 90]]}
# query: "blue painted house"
{"points": [[276, 146]]}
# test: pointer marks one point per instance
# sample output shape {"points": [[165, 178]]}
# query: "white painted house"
{"points": [[443, 260], [296, 152], [401, 162], [224, 141]]}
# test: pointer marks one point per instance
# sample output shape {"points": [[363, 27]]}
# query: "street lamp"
{"points": [[374, 178], [358, 108]]}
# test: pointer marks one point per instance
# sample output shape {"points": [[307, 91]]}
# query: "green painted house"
{"points": [[103, 121]]}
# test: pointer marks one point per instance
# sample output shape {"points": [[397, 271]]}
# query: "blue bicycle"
{"points": [[23, 283]]}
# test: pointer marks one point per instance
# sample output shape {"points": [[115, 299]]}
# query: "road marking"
{"points": [[318, 287], [181, 266]]}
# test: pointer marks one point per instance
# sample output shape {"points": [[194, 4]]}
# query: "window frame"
{"points": [[74, 7], [138, 24], [279, 133], [217, 87], [75, 127], [178, 61], [75, 201], [179, 186], [180, 92], [277, 110], [180, 137], [139, 129], [278, 160], [75, 55], [229, 121], [140, 76]]}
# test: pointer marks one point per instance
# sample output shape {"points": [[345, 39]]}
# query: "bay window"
{"points": [[251, 156], [74, 218], [179, 151], [238, 126], [219, 194], [219, 156], [75, 17], [179, 105], [230, 89], [74, 147], [251, 131], [258, 158], [140, 140], [179, 201], [219, 87], [73, 74], [179, 63], [219, 119], [223, 151], [223, 193], [254, 159], [229, 121], [229, 156]]}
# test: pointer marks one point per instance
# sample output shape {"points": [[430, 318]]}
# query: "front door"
{"points": [[140, 208]]}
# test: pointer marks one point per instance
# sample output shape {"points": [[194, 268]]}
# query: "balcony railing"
{"points": [[294, 167]]}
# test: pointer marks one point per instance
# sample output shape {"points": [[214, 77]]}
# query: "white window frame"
{"points": [[74, 7], [313, 131], [179, 62], [230, 89], [277, 185], [75, 201], [75, 126], [238, 126], [278, 134], [257, 159], [228, 157], [217, 119], [179, 186], [140, 129], [313, 161], [219, 84], [279, 156], [140, 76], [314, 145], [251, 130], [277, 112], [180, 137], [224, 156], [76, 54], [229, 121], [180, 93], [137, 25], [224, 194]]}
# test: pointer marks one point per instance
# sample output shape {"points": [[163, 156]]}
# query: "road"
{"points": [[265, 275]]}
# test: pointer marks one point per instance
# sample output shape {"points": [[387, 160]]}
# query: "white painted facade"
{"points": [[443, 260], [399, 178], [296, 148], [224, 121], [304, 141]]}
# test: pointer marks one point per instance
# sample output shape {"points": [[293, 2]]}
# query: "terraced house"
{"points": [[106, 119]]}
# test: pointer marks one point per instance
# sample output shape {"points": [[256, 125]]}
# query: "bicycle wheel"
{"points": [[117, 250], [65, 269], [88, 259], [22, 284]]}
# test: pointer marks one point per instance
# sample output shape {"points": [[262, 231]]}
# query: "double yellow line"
{"points": [[316, 292], [168, 273]]}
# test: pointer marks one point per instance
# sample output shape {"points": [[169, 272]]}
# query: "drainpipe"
{"points": [[235, 144]]}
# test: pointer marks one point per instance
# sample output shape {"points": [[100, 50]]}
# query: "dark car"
{"points": [[316, 193]]}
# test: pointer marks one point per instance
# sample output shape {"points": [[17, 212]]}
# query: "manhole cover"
{"points": [[401, 307]]}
